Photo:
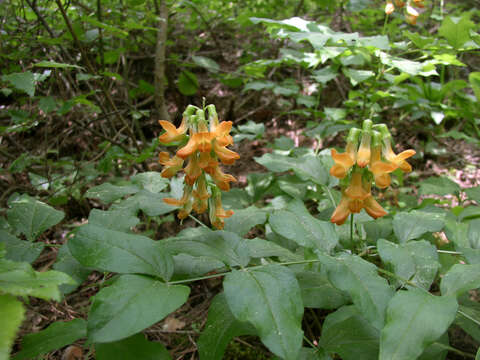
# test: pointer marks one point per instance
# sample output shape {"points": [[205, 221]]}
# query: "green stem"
{"points": [[452, 349], [351, 228], [469, 317], [329, 193], [245, 269], [197, 221]]}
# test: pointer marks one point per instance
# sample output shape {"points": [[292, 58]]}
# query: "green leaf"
{"points": [[120, 220], [347, 333], [100, 248], [357, 76], [67, 264], [370, 292], [134, 347], [438, 186], [415, 319], [21, 280], [151, 181], [325, 74], [220, 329], [47, 104], [20, 250], [108, 193], [474, 79], [55, 336], [473, 193], [260, 248], [220, 245], [378, 229], [412, 225], [296, 223], [269, 298], [32, 217], [188, 83], [318, 292], [150, 203], [12, 314], [56, 65], [416, 261], [206, 63], [132, 297], [22, 81], [468, 317], [460, 278], [456, 30], [191, 266], [243, 220], [259, 85]]}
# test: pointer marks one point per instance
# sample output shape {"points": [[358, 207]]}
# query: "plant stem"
{"points": [[245, 269], [351, 228], [197, 221]]}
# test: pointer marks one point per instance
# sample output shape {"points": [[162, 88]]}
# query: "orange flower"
{"points": [[341, 213], [200, 196], [172, 165], [348, 206], [373, 208], [389, 8], [343, 161], [192, 170], [380, 169], [201, 141], [399, 3], [218, 213], [221, 179], [186, 202], [356, 188], [399, 159], [187, 192], [226, 156], [222, 133], [172, 133], [411, 15], [419, 3]]}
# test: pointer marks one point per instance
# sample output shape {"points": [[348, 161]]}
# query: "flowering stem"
{"points": [[197, 221], [351, 228]]}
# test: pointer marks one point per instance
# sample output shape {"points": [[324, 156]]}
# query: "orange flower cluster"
{"points": [[359, 166], [411, 13], [205, 149]]}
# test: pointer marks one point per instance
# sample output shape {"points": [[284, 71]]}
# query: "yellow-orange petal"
{"points": [[405, 167], [226, 156], [221, 179], [341, 213], [171, 132], [192, 171], [171, 165], [222, 129], [343, 159], [405, 155], [204, 141], [188, 149], [363, 156], [338, 171], [389, 8], [355, 205], [355, 190], [172, 201], [382, 181], [373, 208]]}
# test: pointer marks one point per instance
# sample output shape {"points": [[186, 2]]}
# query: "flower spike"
{"points": [[205, 149]]}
